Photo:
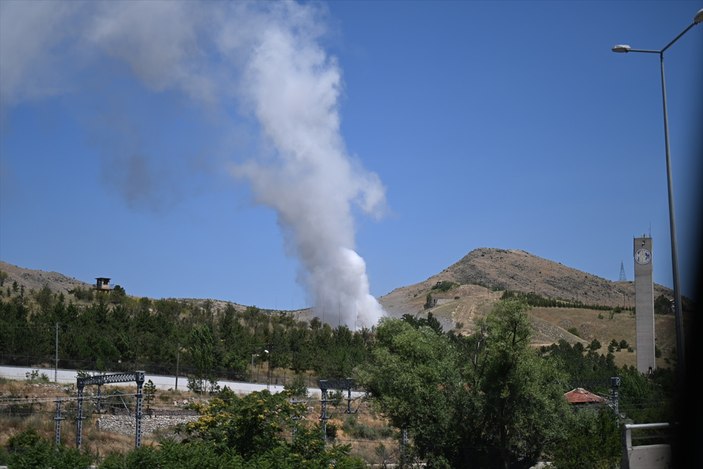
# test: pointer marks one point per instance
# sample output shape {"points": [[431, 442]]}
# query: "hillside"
{"points": [[467, 290], [483, 274], [36, 279]]}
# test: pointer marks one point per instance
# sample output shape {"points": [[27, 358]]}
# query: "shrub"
{"points": [[444, 286]]}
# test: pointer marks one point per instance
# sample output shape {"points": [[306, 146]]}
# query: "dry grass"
{"points": [[36, 401], [599, 325], [378, 445]]}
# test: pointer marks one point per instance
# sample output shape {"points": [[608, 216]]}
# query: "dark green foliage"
{"points": [[444, 285], [201, 348], [252, 428], [533, 299], [591, 439], [417, 323], [149, 394], [584, 366], [663, 305], [118, 295], [27, 450], [483, 401], [123, 333], [646, 399], [429, 301]]}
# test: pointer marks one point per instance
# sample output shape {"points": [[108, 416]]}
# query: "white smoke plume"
{"points": [[267, 59]]}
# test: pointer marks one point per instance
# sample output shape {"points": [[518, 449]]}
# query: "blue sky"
{"points": [[472, 124]]}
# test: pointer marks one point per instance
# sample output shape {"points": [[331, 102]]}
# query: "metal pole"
{"points": [[678, 314], [614, 385], [56, 355], [678, 310], [57, 424], [178, 359], [79, 415], [323, 416], [138, 410]]}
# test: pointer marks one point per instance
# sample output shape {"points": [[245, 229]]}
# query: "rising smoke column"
{"points": [[264, 56], [293, 89]]}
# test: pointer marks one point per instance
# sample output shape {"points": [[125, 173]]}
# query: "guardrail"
{"points": [[649, 456]]}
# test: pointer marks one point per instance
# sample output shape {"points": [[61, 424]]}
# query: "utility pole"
{"points": [[178, 359], [323, 413], [404, 447], [57, 424], [56, 355], [614, 385]]}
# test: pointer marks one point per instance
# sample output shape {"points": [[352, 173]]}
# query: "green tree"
{"points": [[594, 345], [482, 401], [149, 394], [201, 346], [252, 428], [521, 395], [663, 305], [414, 376], [591, 439]]}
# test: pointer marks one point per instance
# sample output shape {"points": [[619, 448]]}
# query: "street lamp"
{"points": [[624, 48], [268, 369]]}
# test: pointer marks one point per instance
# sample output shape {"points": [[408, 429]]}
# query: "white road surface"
{"points": [[161, 382]]}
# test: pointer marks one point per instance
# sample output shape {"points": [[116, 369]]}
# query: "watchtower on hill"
{"points": [[102, 284]]}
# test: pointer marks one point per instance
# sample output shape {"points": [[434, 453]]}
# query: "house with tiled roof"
{"points": [[580, 398]]}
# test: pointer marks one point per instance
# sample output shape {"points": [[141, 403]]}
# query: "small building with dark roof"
{"points": [[102, 283]]}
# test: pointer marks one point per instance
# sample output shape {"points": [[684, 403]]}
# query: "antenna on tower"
{"points": [[623, 277]]}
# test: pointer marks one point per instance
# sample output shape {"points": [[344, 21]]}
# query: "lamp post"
{"points": [[624, 48], [268, 369], [253, 355]]}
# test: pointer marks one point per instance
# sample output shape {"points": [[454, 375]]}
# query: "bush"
{"points": [[28, 450], [444, 286], [591, 439], [354, 429], [297, 386]]}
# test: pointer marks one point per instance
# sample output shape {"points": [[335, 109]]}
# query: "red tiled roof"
{"points": [[581, 396]]}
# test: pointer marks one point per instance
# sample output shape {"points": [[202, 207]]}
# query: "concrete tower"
{"points": [[644, 304]]}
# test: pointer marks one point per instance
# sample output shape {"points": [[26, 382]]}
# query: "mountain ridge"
{"points": [[463, 293]]}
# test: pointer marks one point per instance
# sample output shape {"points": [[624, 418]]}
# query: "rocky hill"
{"points": [[36, 279], [484, 274], [466, 291]]}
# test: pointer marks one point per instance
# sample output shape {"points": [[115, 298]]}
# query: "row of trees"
{"points": [[491, 400], [483, 400], [122, 333]]}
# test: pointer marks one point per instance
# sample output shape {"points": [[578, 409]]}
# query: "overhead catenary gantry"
{"points": [[99, 380]]}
